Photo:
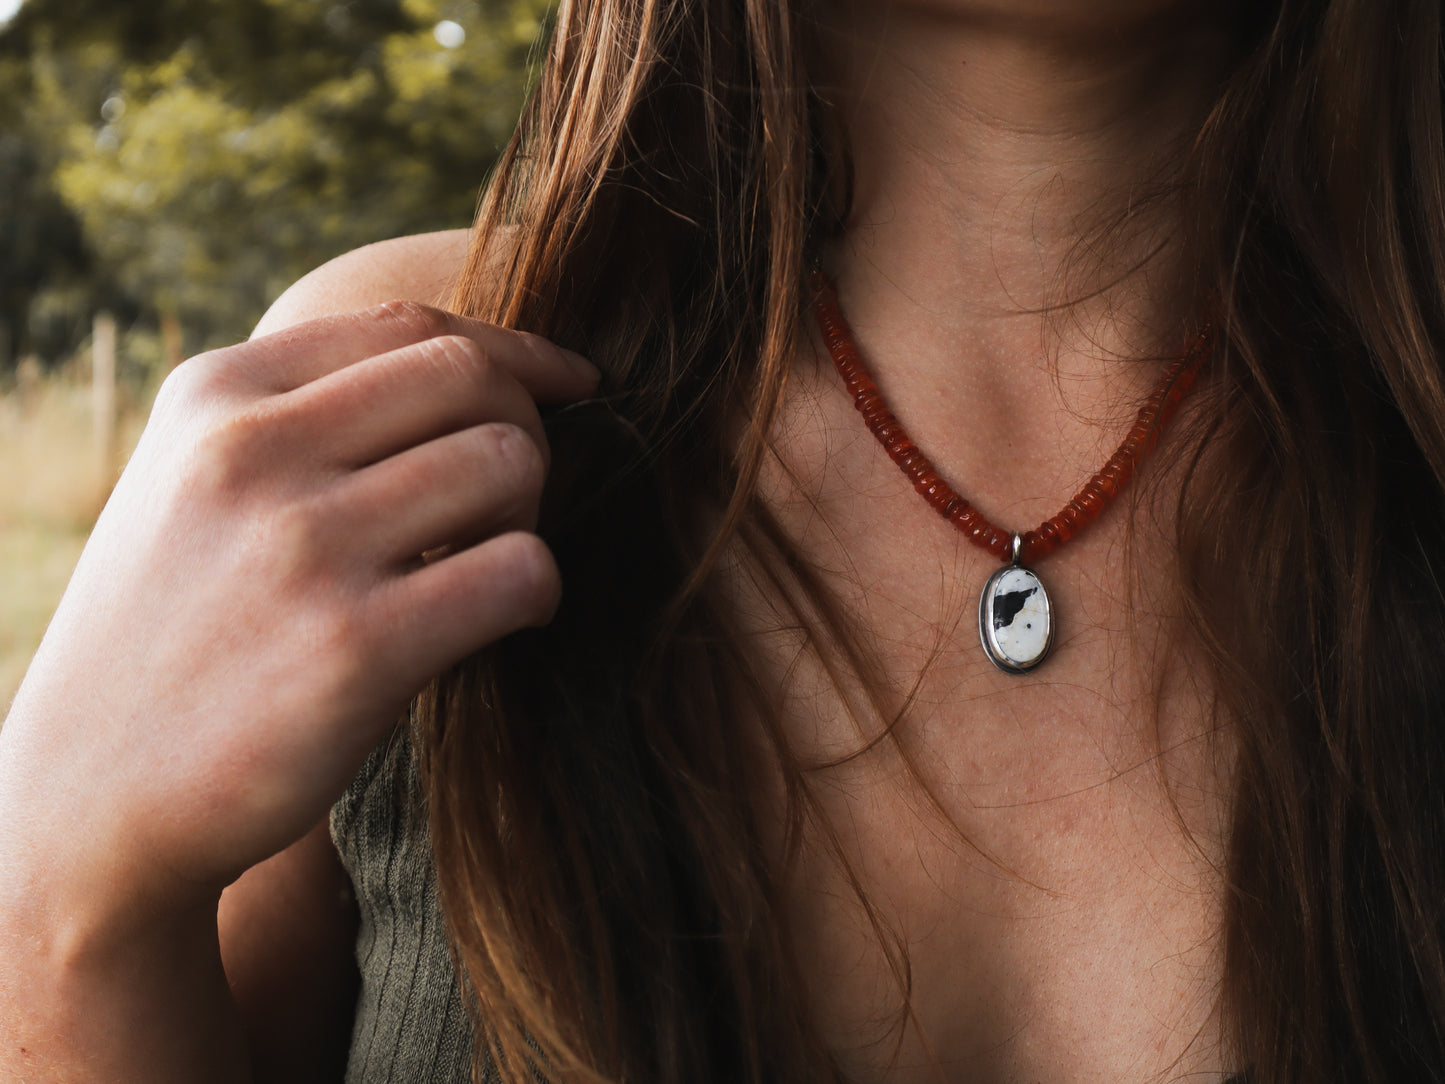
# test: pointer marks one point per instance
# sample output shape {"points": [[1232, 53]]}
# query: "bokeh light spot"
{"points": [[449, 35]]}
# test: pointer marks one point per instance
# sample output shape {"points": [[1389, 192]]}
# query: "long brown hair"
{"points": [[610, 903]]}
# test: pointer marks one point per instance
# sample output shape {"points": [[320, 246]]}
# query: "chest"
{"points": [[1005, 877]]}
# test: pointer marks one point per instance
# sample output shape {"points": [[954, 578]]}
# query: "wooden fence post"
{"points": [[172, 338], [102, 396]]}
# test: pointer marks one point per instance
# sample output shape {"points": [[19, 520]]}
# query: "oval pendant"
{"points": [[1014, 622]]}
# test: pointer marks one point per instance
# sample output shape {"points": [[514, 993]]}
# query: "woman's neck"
{"points": [[1008, 164]]}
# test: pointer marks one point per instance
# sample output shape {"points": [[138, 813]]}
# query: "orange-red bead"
{"points": [[1091, 499]]}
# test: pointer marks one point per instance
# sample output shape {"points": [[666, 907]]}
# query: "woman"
{"points": [[758, 804]]}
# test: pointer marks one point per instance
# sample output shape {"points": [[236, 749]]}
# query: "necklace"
{"points": [[1015, 618]]}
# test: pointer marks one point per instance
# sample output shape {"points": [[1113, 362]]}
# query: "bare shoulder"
{"points": [[422, 267]]}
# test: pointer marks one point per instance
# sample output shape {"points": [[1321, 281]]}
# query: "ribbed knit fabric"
{"points": [[411, 1024]]}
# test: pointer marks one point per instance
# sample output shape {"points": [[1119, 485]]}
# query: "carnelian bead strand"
{"points": [[1086, 505]]}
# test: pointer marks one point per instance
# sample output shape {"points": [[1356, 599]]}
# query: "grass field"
{"points": [[52, 486]]}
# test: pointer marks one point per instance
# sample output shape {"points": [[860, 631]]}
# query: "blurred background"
{"points": [[167, 168]]}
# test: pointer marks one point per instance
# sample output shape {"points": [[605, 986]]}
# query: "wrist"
{"points": [[91, 987], [79, 871]]}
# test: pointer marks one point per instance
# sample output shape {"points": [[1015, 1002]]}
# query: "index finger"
{"points": [[294, 356]]}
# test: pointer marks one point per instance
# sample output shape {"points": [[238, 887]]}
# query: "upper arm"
{"points": [[287, 930], [420, 268]]}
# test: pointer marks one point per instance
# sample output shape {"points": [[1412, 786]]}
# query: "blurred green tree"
{"points": [[41, 243], [212, 151]]}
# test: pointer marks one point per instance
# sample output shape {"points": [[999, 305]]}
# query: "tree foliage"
{"points": [[202, 154]]}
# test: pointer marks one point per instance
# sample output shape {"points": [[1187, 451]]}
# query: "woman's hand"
{"points": [[253, 611]]}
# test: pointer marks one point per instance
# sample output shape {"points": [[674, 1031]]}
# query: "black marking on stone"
{"points": [[1007, 606]]}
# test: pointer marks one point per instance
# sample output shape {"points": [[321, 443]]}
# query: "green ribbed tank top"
{"points": [[411, 1022]]}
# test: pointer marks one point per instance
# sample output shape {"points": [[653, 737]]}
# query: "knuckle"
{"points": [[516, 455], [532, 574], [342, 637], [417, 321], [335, 641], [176, 388], [294, 542], [296, 549], [193, 381], [231, 451]]}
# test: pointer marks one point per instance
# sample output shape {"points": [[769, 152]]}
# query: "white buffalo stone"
{"points": [[1014, 622]]}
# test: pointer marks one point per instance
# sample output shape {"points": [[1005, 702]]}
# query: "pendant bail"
{"points": [[1016, 549]]}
